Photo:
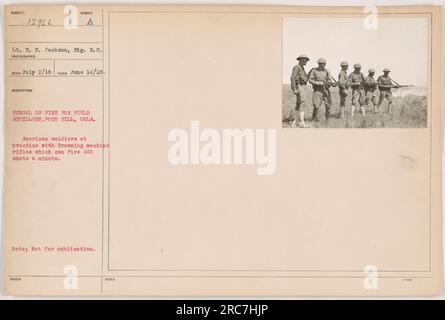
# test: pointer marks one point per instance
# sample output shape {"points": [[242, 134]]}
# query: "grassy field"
{"points": [[409, 111]]}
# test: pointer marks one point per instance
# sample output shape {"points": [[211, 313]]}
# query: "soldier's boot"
{"points": [[342, 112], [352, 110], [301, 119], [390, 108], [328, 112], [315, 114], [295, 115], [363, 110], [378, 107], [291, 118], [375, 108]]}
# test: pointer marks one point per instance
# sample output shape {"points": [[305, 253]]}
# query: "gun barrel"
{"points": [[333, 78]]}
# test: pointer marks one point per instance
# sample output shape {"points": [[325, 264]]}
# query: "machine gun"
{"points": [[396, 85], [326, 83], [335, 81]]}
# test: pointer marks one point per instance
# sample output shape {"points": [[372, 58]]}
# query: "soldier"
{"points": [[343, 85], [356, 79], [298, 82], [370, 86], [385, 85], [320, 78]]}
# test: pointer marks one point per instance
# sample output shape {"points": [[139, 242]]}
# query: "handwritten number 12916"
{"points": [[39, 22]]}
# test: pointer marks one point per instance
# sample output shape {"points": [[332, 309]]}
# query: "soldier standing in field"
{"points": [[320, 78], [298, 82], [356, 79], [370, 86], [385, 85], [343, 85]]}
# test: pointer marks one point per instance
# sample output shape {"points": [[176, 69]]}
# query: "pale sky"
{"points": [[400, 44]]}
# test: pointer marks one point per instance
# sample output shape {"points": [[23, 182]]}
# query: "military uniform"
{"points": [[384, 83], [357, 90], [385, 92], [298, 82], [320, 80], [370, 86], [343, 87]]}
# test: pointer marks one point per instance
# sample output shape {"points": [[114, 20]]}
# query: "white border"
{"points": [[211, 2]]}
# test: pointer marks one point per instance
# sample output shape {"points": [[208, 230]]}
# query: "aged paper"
{"points": [[221, 151]]}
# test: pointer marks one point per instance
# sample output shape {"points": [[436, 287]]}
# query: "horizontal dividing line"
{"points": [[260, 270], [55, 42], [55, 76], [50, 276], [209, 276], [53, 25], [276, 12], [64, 59]]}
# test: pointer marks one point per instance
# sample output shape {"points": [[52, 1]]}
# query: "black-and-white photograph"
{"points": [[354, 73]]}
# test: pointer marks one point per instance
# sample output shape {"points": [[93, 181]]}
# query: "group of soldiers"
{"points": [[364, 90]]}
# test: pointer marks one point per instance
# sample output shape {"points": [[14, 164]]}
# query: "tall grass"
{"points": [[409, 111]]}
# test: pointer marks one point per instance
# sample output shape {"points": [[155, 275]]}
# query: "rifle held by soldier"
{"points": [[335, 84], [396, 85]]}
